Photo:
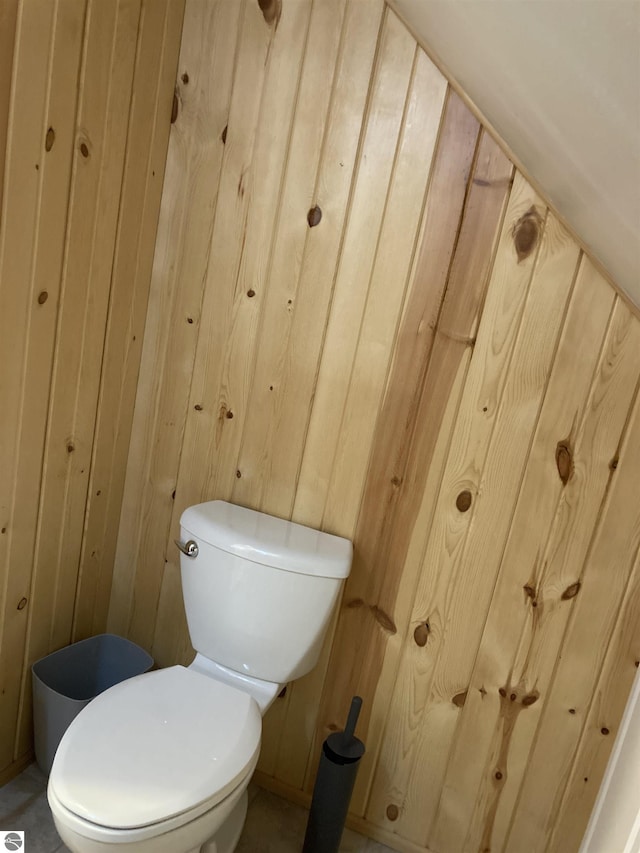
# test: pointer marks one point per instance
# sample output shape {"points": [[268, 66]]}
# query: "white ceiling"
{"points": [[559, 80]]}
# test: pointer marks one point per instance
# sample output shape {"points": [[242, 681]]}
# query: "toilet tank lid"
{"points": [[268, 540]]}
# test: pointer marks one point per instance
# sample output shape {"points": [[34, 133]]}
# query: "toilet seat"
{"points": [[152, 832], [167, 744]]}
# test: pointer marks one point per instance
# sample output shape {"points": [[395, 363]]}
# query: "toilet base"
{"points": [[226, 838]]}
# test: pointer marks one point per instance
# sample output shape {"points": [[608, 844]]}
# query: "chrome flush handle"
{"points": [[189, 548]]}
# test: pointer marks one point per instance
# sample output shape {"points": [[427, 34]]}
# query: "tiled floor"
{"points": [[273, 825]]}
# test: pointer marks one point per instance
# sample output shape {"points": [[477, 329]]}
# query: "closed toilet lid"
{"points": [[155, 746]]}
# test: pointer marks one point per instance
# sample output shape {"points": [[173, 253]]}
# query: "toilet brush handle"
{"points": [[352, 719]]}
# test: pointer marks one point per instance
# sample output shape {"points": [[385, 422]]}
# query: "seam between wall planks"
{"points": [[38, 198], [354, 620], [297, 695], [8, 41], [348, 208], [94, 238], [158, 137], [345, 221], [24, 682], [482, 669], [108, 309], [276, 222], [383, 218], [593, 539], [561, 796], [314, 197], [153, 385], [420, 386], [222, 330], [519, 489], [424, 378], [612, 647], [478, 457]]}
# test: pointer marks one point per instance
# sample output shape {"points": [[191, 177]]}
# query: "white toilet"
{"points": [[161, 762]]}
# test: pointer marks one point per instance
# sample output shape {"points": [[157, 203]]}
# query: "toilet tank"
{"points": [[260, 591]]}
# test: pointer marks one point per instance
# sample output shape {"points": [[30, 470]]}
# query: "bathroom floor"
{"points": [[273, 825]]}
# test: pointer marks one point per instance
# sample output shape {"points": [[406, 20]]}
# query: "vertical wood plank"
{"points": [[296, 389], [469, 770], [149, 124], [71, 85], [241, 248], [606, 709], [371, 589], [31, 250], [389, 91], [558, 579], [194, 160], [408, 468], [505, 300], [323, 247], [99, 150], [390, 277], [386, 288], [275, 372], [8, 19], [494, 492], [591, 615]]}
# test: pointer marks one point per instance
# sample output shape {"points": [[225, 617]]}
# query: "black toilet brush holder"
{"points": [[341, 754]]}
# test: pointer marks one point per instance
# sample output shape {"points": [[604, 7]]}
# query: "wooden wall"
{"points": [[362, 318], [85, 112]]}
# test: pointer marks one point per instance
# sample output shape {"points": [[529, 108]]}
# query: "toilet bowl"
{"points": [[161, 763]]}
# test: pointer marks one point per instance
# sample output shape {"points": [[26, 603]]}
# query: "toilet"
{"points": [[161, 763]]}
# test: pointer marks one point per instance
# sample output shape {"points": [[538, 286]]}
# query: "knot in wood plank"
{"points": [[314, 216], [460, 698], [383, 619], [564, 460], [421, 634], [526, 233], [463, 501], [271, 11], [571, 591]]}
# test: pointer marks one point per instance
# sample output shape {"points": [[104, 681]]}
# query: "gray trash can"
{"points": [[67, 680]]}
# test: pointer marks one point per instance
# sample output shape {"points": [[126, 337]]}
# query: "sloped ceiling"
{"points": [[559, 80]]}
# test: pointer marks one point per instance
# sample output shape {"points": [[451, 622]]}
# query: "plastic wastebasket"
{"points": [[67, 680]]}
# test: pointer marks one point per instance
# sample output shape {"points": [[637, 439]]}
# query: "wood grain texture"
{"points": [[351, 85], [270, 63], [589, 616], [156, 60], [361, 319], [371, 590], [194, 160], [478, 735], [389, 85], [77, 69], [8, 20], [47, 56]]}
